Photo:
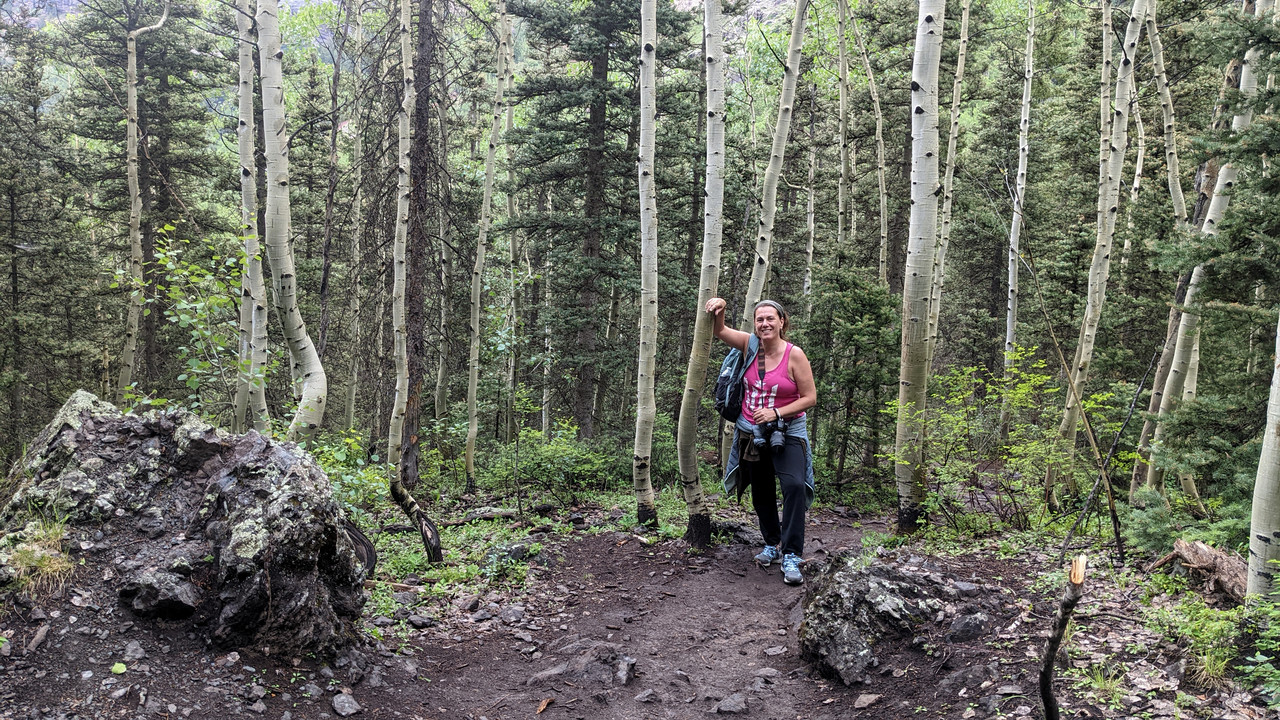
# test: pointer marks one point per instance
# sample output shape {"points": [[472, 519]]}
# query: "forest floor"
{"points": [[693, 635]]}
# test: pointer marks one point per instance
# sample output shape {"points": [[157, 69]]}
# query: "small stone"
{"points": [[345, 705], [420, 622], [257, 692], [312, 690], [775, 650], [767, 672], [735, 704], [86, 674], [258, 707], [967, 589], [647, 696], [481, 616], [865, 700], [133, 651], [383, 621], [1009, 690]]}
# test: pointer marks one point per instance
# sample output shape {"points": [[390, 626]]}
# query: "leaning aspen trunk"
{"points": [[136, 291], [309, 371], [1019, 196], [646, 407], [883, 263], [909, 468], [1186, 480], [1188, 332], [250, 382], [698, 531], [399, 327], [944, 233], [769, 193], [441, 399], [1166, 109], [477, 271], [1135, 187], [1100, 266], [1140, 465], [1264, 522]]}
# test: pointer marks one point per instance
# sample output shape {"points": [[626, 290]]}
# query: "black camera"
{"points": [[773, 432]]}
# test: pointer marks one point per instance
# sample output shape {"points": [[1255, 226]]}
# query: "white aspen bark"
{"points": [[948, 183], [136, 290], [1188, 333], [806, 287], [1264, 521], [400, 333], [1100, 266], [1166, 108], [646, 407], [477, 271], [513, 244], [846, 173], [698, 533], [357, 224], [1019, 196], [546, 348], [250, 382], [883, 264], [769, 194], [913, 378], [441, 399], [1134, 188], [309, 371]]}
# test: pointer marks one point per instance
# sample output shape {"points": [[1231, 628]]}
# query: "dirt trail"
{"points": [[700, 628]]}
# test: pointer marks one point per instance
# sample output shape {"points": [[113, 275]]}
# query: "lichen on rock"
{"points": [[239, 536]]}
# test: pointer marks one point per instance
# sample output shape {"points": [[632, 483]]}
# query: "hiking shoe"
{"points": [[768, 555], [791, 569]]}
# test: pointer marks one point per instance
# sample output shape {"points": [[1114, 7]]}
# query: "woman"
{"points": [[778, 389]]}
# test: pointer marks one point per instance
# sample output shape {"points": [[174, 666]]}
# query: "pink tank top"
{"points": [[777, 389]]}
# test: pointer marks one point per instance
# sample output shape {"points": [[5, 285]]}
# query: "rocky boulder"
{"points": [[238, 536], [852, 605]]}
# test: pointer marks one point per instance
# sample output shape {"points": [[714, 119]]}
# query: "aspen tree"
{"points": [[305, 360], [1188, 327], [357, 225], [883, 264], [772, 173], [1019, 198], [646, 407], [482, 240], [127, 356], [948, 183], [698, 530], [1135, 187], [913, 376], [250, 382], [1181, 224], [399, 326], [810, 209], [1264, 522], [513, 245], [846, 172], [1100, 266]]}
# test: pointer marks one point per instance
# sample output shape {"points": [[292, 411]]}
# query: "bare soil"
{"points": [[708, 634]]}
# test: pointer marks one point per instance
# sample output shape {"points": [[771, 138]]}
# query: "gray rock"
{"points": [[258, 707], [481, 616], [420, 622], [257, 508], [512, 614], [647, 696], [312, 690], [865, 700], [345, 705], [848, 608], [133, 651], [735, 704], [966, 589], [970, 627]]}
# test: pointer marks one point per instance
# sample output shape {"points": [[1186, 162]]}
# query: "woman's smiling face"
{"points": [[768, 323]]}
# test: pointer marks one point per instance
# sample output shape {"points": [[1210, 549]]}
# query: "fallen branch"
{"points": [[481, 514], [1223, 571], [1070, 597]]}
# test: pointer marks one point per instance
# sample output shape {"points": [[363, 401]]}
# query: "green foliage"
{"points": [[1208, 634]]}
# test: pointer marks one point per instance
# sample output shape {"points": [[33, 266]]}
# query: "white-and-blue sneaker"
{"points": [[768, 555], [791, 569]]}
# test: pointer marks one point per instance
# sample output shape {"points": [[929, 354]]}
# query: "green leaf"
{"points": [[118, 668]]}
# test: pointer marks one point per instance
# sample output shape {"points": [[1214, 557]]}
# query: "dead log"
{"points": [[1070, 598], [1221, 570], [486, 513]]}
